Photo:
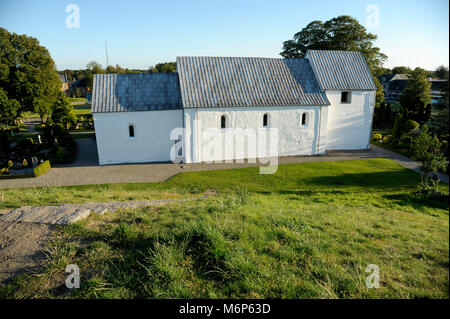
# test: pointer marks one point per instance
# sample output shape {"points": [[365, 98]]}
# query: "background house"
{"points": [[78, 88], [65, 82]]}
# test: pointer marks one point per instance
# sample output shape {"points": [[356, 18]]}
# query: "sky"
{"points": [[140, 34]]}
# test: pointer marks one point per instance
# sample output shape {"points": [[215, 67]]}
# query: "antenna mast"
{"points": [[106, 49]]}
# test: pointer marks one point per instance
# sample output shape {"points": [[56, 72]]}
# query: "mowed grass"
{"points": [[369, 175], [82, 109], [308, 231]]}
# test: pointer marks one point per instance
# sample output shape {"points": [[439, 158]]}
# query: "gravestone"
{"points": [[35, 161]]}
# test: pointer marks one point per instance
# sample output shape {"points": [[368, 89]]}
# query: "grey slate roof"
{"points": [[135, 92], [235, 81], [341, 70]]}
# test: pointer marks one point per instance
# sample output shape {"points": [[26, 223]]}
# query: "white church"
{"points": [[322, 102]]}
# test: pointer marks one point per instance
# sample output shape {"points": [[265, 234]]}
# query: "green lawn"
{"points": [[308, 231], [82, 109], [77, 99]]}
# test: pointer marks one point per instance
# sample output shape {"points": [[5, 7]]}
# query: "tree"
{"points": [[440, 115], [166, 67], [43, 107], [397, 128], [441, 72], [63, 112], [341, 33], [27, 71], [379, 96], [91, 69], [401, 70], [9, 108], [416, 96], [427, 150]]}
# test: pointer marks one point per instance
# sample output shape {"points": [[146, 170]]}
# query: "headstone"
{"points": [[35, 161]]}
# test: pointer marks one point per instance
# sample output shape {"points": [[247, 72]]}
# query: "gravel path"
{"points": [[85, 170]]}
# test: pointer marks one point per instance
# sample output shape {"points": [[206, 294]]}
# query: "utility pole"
{"points": [[106, 49]]}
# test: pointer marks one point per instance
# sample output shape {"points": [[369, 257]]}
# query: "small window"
{"points": [[223, 121], [265, 120], [304, 118], [346, 97], [131, 130]]}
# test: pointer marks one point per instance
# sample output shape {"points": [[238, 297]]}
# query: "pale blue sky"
{"points": [[143, 33]]}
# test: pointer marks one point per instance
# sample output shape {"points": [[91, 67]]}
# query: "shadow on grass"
{"points": [[410, 199], [379, 180]]}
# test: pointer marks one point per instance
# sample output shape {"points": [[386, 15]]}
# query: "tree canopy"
{"points": [[416, 96], [340, 33], [63, 112], [165, 67], [441, 72], [401, 70], [28, 75]]}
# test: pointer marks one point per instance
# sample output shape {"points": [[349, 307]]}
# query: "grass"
{"points": [[82, 109], [77, 99], [308, 231]]}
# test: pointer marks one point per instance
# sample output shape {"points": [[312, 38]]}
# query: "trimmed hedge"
{"points": [[37, 171], [41, 168]]}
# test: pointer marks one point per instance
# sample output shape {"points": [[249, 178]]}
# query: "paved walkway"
{"points": [[85, 170]]}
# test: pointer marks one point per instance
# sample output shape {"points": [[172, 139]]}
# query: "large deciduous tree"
{"points": [[416, 96], [28, 74], [340, 33]]}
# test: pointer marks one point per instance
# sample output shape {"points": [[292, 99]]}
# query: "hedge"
{"points": [[37, 171], [41, 168]]}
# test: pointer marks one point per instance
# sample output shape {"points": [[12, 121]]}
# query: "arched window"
{"points": [[223, 121], [265, 120], [131, 130], [304, 119]]}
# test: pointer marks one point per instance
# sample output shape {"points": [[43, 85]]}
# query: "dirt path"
{"points": [[21, 247]]}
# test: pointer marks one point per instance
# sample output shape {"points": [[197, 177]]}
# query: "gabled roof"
{"points": [[341, 70], [235, 81], [135, 92], [63, 77]]}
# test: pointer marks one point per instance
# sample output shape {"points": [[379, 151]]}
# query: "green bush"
{"points": [[386, 139], [61, 153], [377, 136], [41, 168], [4, 145], [411, 125], [406, 139]]}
